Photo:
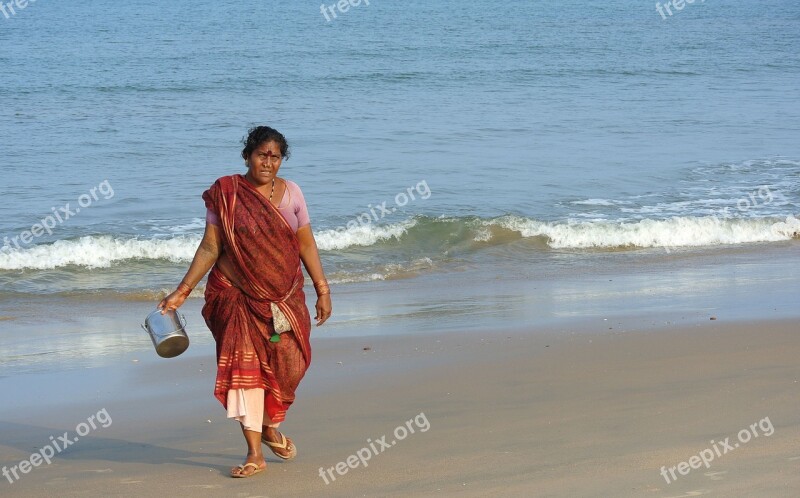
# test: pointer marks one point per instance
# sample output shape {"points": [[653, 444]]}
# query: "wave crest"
{"points": [[98, 251], [424, 236], [672, 232]]}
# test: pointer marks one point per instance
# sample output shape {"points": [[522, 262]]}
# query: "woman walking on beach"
{"points": [[257, 233]]}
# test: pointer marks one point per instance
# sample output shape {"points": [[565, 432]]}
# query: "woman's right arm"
{"points": [[204, 258]]}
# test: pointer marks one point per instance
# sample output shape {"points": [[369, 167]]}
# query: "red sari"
{"points": [[266, 255]]}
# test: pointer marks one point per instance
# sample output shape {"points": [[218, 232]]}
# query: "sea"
{"points": [[470, 162]]}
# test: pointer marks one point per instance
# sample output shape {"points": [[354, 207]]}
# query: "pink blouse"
{"points": [[292, 207]]}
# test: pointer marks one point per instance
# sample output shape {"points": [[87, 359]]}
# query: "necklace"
{"points": [[271, 192]]}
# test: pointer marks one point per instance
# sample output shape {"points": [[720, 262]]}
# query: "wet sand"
{"points": [[578, 410]]}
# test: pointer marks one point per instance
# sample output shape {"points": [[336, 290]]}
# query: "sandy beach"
{"points": [[561, 240], [583, 411]]}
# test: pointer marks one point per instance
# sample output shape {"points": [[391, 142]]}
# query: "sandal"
{"points": [[285, 444], [240, 469]]}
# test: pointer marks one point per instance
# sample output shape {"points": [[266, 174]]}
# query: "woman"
{"points": [[257, 232]]}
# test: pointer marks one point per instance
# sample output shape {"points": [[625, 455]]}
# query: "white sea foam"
{"points": [[193, 226], [673, 232], [98, 252], [362, 235], [599, 202], [482, 234], [102, 251]]}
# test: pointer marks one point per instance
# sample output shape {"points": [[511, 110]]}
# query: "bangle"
{"points": [[184, 289], [322, 287]]}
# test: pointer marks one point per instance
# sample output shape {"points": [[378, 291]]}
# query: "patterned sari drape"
{"points": [[265, 253]]}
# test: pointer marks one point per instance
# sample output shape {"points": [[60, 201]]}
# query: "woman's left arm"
{"points": [[310, 256]]}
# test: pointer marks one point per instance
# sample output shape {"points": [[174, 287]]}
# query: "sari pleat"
{"points": [[265, 252]]}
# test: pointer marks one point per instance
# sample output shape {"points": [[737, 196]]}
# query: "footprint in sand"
{"points": [[715, 476]]}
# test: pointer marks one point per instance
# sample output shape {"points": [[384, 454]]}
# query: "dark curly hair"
{"points": [[260, 135]]}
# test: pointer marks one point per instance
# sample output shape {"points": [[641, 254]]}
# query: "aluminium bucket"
{"points": [[168, 332]]}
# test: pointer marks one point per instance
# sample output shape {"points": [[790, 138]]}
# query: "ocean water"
{"points": [[428, 137]]}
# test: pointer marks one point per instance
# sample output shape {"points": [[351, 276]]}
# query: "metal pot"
{"points": [[168, 332]]}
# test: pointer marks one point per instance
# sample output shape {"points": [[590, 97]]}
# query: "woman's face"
{"points": [[264, 162]]}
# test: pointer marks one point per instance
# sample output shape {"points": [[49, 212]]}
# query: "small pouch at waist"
{"points": [[279, 320]]}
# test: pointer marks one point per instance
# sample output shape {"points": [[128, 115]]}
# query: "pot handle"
{"points": [[181, 317]]}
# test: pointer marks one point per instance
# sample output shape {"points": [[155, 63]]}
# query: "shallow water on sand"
{"points": [[519, 163]]}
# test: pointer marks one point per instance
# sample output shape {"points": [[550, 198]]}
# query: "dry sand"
{"points": [[565, 412]]}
